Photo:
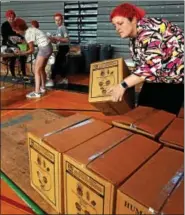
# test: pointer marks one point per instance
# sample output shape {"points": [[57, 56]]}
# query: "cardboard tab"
{"points": [[145, 120], [173, 136]]}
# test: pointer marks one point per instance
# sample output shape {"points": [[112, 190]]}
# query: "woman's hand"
{"points": [[116, 92]]}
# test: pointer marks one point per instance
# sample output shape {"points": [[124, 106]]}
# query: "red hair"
{"points": [[19, 24], [10, 13], [128, 10], [35, 23], [59, 14]]}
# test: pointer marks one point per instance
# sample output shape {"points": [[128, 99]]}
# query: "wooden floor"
{"points": [[14, 102]]}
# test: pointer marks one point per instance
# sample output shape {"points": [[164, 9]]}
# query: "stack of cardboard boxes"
{"points": [[85, 166]]}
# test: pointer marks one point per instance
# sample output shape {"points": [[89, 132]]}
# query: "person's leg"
{"points": [[22, 61], [39, 71], [12, 61], [43, 73], [168, 97], [63, 53]]}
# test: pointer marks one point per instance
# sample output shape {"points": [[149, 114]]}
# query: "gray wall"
{"points": [[43, 11], [172, 10]]}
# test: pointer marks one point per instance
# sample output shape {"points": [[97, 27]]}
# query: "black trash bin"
{"points": [[106, 52], [90, 54]]}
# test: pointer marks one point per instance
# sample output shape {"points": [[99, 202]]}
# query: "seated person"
{"points": [[10, 39]]}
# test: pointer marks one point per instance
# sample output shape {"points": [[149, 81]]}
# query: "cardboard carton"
{"points": [[175, 203], [46, 147], [149, 188], [145, 120], [103, 75], [92, 171], [173, 136]]}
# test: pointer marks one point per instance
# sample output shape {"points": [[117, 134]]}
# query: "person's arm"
{"points": [[65, 38], [30, 50], [149, 68]]}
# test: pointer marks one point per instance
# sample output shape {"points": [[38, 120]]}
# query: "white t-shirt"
{"points": [[36, 36]]}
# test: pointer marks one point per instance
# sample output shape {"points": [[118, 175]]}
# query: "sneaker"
{"points": [[14, 79], [33, 95], [63, 81], [42, 90], [50, 83]]}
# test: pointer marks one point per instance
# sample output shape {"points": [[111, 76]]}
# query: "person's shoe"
{"points": [[15, 79], [42, 90], [50, 83], [63, 81], [33, 95]]}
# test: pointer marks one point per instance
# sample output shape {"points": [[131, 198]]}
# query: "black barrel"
{"points": [[90, 54], [106, 52]]}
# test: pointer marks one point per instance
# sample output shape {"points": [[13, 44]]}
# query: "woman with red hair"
{"points": [[34, 36], [11, 39], [157, 48], [35, 24], [62, 41]]}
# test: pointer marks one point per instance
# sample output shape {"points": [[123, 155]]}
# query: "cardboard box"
{"points": [[93, 170], [173, 136], [46, 147], [145, 120], [103, 75], [175, 203], [149, 188]]}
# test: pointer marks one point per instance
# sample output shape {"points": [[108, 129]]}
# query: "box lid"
{"points": [[58, 125], [175, 203], [124, 159], [174, 134], [145, 120], [157, 178], [92, 149], [76, 134]]}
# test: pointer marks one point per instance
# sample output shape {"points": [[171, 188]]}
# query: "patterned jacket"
{"points": [[158, 51]]}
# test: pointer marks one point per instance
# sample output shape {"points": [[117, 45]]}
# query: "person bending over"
{"points": [[34, 36], [157, 48]]}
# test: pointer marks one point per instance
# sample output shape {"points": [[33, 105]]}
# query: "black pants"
{"points": [[168, 97], [22, 60], [60, 65]]}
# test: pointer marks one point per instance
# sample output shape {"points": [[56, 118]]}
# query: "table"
{"points": [[8, 56]]}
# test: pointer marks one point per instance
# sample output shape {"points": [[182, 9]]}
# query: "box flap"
{"points": [[92, 149], [174, 134], [157, 177], [175, 203], [145, 120], [124, 159], [75, 135], [135, 115], [151, 124], [58, 125]]}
